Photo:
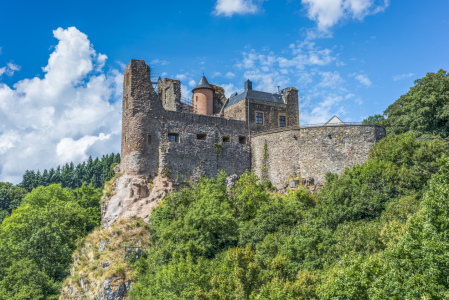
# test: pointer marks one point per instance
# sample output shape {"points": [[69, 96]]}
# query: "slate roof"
{"points": [[256, 95], [203, 84]]}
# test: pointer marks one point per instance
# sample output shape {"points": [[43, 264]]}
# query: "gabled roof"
{"points": [[203, 84], [334, 121], [256, 95]]}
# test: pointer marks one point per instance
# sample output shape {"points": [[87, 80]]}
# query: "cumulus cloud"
{"points": [[69, 113], [230, 89], [9, 69], [241, 7], [402, 76], [186, 93], [327, 13], [362, 78], [159, 62], [181, 76], [330, 79], [230, 75], [322, 90], [192, 83]]}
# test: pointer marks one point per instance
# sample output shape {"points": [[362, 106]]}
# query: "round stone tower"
{"points": [[203, 95]]}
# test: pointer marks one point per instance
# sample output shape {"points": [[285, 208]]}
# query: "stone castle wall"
{"points": [[310, 153], [203, 144], [275, 156]]}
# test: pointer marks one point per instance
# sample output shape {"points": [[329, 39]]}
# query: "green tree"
{"points": [[40, 236], [424, 110], [374, 120]]}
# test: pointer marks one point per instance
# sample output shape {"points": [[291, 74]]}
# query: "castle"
{"points": [[252, 130]]}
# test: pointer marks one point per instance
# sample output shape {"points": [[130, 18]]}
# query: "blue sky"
{"points": [[61, 63]]}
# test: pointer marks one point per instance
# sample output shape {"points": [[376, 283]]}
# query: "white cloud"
{"points": [[402, 76], [324, 110], [9, 69], [192, 82], [327, 13], [231, 7], [230, 89], [186, 92], [159, 62], [230, 75], [330, 79], [71, 112], [181, 76], [362, 78], [216, 74], [70, 150]]}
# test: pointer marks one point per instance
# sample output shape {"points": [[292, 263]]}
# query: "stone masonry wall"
{"points": [[204, 144], [271, 111], [311, 152], [333, 148], [275, 156], [169, 91], [236, 111]]}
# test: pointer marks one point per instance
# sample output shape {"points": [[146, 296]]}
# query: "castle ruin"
{"points": [[252, 130]]}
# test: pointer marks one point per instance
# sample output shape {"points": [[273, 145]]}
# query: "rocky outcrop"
{"points": [[114, 289], [132, 195], [100, 268]]}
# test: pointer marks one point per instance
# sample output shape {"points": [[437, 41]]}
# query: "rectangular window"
{"points": [[259, 117], [173, 138], [242, 140], [201, 136], [282, 122], [196, 98], [149, 141], [226, 139]]}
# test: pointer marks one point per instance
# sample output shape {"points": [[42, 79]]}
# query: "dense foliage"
{"points": [[37, 240], [41, 223], [377, 231], [94, 171], [10, 198], [424, 110]]}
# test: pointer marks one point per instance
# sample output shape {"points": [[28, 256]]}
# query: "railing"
{"points": [[335, 124]]}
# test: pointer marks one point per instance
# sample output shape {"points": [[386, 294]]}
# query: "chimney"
{"points": [[248, 85]]}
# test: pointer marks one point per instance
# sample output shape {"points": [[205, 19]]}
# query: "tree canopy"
{"points": [[424, 110]]}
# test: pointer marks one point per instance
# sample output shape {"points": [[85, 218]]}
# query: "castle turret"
{"points": [[203, 95], [139, 99]]}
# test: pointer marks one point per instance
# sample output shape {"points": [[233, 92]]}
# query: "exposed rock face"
{"points": [[133, 195], [100, 268], [110, 290]]}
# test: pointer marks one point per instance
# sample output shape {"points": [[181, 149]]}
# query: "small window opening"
{"points": [[126, 103], [330, 137], [242, 140], [196, 98], [201, 136], [149, 140], [226, 139], [282, 122], [173, 138], [259, 118], [125, 139]]}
